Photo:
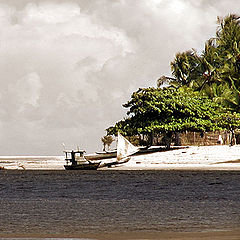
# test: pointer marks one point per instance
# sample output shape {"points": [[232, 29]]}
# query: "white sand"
{"points": [[194, 158]]}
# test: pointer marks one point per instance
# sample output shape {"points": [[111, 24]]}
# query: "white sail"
{"points": [[124, 148]]}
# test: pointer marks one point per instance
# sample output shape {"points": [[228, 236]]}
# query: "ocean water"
{"points": [[73, 203]]}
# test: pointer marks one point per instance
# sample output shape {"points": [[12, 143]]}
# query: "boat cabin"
{"points": [[75, 156]]}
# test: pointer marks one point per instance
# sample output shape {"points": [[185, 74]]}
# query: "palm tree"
{"points": [[185, 67], [216, 72], [228, 44], [107, 141]]}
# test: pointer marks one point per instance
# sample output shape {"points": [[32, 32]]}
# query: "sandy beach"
{"points": [[209, 235], [189, 158], [220, 157], [221, 235]]}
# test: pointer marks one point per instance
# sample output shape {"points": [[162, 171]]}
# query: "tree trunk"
{"points": [[177, 139], [232, 138]]}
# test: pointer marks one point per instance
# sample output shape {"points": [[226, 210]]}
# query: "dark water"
{"points": [[66, 202]]}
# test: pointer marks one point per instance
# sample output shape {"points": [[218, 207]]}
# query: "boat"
{"points": [[76, 160], [101, 155]]}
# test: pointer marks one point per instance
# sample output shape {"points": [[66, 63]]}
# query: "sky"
{"points": [[67, 66]]}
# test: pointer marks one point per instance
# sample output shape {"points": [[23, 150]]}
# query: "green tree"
{"points": [[203, 94], [185, 68], [215, 72], [168, 110], [230, 121]]}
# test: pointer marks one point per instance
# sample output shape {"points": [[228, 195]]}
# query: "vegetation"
{"points": [[203, 94], [216, 72], [169, 110]]}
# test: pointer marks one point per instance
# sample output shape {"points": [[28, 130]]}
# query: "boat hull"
{"points": [[90, 166], [100, 156]]}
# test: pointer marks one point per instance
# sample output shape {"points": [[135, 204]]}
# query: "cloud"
{"points": [[27, 90], [67, 66], [50, 13]]}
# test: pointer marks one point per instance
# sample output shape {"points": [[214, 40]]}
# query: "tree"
{"points": [[168, 110], [203, 94], [185, 67], [107, 141], [231, 122], [215, 72]]}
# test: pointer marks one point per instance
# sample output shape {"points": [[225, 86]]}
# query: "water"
{"points": [[71, 203]]}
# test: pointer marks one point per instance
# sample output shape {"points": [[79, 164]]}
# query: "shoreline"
{"points": [[197, 158], [228, 234]]}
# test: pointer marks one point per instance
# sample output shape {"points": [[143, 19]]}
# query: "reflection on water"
{"points": [[69, 203]]}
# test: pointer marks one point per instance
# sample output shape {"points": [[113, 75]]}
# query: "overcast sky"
{"points": [[67, 66]]}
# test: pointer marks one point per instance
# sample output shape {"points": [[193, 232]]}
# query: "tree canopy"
{"points": [[169, 110]]}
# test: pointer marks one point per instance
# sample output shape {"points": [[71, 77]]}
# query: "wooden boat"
{"points": [[101, 155], [76, 161], [88, 166]]}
